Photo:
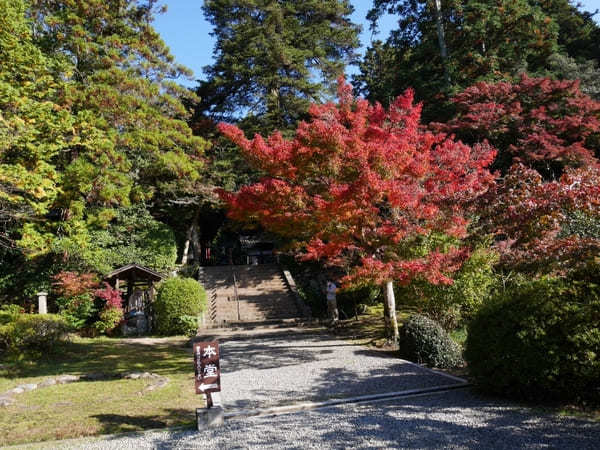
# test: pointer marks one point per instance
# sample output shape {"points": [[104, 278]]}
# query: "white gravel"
{"points": [[451, 420], [268, 370], [272, 370]]}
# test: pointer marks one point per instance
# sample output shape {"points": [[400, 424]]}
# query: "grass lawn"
{"points": [[99, 407]]}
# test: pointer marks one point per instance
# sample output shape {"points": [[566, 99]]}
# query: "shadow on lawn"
{"points": [[106, 356], [120, 423]]}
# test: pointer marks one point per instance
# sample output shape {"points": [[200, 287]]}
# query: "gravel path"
{"points": [[263, 370], [272, 370], [452, 420]]}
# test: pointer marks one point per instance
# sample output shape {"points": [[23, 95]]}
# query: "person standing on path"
{"points": [[332, 311]]}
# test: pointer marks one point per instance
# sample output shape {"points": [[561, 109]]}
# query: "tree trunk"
{"points": [[196, 243], [386, 317], [186, 246], [442, 39], [392, 321]]}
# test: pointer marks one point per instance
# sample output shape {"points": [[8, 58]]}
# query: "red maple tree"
{"points": [[358, 185], [542, 123], [547, 134], [545, 227]]}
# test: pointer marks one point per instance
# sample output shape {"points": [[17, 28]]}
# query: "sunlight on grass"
{"points": [[98, 407]]}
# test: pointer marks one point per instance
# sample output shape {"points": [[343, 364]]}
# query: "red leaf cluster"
{"points": [[73, 284], [535, 120], [530, 214], [358, 182], [111, 296]]}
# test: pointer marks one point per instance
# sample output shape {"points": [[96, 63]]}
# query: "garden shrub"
{"points": [[34, 332], [9, 313], [424, 341], [111, 313], [76, 302], [538, 340], [110, 318], [452, 305], [177, 306]]}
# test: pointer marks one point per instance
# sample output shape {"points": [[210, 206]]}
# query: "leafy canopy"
{"points": [[545, 211], [359, 185]]}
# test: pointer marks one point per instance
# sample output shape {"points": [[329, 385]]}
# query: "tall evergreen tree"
{"points": [[272, 58], [486, 40], [578, 35], [122, 79], [34, 127]]}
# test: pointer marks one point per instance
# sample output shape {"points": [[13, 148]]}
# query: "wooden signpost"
{"points": [[207, 369]]}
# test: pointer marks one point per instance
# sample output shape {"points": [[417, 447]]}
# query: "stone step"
{"points": [[262, 294]]}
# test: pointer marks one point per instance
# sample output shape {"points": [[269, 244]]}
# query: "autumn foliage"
{"points": [[545, 211], [111, 296], [72, 284], [358, 185], [545, 124], [545, 226]]}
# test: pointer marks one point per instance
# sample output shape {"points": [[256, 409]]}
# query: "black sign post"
{"points": [[207, 369]]}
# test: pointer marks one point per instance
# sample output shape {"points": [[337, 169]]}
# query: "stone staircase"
{"points": [[263, 295]]}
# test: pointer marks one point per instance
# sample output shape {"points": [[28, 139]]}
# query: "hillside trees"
{"points": [[34, 127], [545, 211], [272, 58], [361, 187], [93, 137], [483, 40], [120, 80], [545, 124]]}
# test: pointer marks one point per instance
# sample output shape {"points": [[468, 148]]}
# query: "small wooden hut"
{"points": [[137, 283]]}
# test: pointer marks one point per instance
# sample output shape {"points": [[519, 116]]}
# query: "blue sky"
{"points": [[186, 32]]}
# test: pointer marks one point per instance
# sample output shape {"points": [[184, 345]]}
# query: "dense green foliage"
{"points": [[538, 340], [132, 236], [33, 332], [177, 306], [272, 58], [424, 341], [34, 128], [454, 304], [9, 313], [484, 40], [94, 141], [109, 319]]}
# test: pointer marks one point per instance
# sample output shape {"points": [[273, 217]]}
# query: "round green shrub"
{"points": [[177, 300], [109, 319], [78, 310], [424, 341], [538, 340], [34, 332]]}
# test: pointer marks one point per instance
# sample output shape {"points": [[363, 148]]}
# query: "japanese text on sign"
{"points": [[207, 368]]}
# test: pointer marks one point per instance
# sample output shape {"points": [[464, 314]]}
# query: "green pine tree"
{"points": [[272, 58], [35, 128], [122, 84], [487, 40]]}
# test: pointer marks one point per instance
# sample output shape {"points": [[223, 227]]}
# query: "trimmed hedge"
{"points": [[177, 306], [34, 332], [539, 340], [424, 341]]}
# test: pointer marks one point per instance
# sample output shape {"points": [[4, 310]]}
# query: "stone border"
{"points": [[158, 381], [371, 398]]}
